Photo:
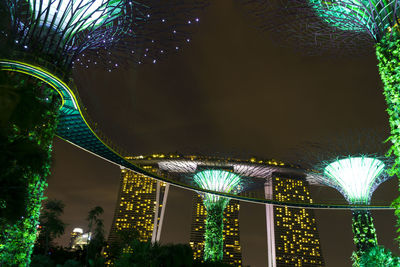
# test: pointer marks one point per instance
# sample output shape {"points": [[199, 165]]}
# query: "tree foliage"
{"points": [[213, 235], [388, 54], [51, 226], [375, 256], [28, 123], [96, 241], [363, 231], [146, 254]]}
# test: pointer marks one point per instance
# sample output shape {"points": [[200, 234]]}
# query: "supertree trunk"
{"points": [[363, 231], [26, 141], [213, 236], [388, 54]]}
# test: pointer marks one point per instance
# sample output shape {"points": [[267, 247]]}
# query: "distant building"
{"points": [[79, 239], [293, 238], [292, 234], [140, 205]]}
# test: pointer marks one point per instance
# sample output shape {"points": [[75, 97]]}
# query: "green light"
{"points": [[216, 180], [388, 52], [363, 231], [356, 177], [337, 13], [74, 15], [18, 233], [374, 17], [220, 181]]}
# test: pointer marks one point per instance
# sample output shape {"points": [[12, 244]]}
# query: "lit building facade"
{"points": [[140, 205], [292, 234], [76, 233], [232, 249], [293, 239]]}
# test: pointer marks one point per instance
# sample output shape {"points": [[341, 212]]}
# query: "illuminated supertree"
{"points": [[40, 42], [356, 177], [339, 25], [349, 165], [220, 181]]}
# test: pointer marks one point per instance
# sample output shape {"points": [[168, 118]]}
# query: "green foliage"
{"points": [[376, 256], [72, 263], [146, 254], [25, 156], [50, 223], [136, 253], [213, 236], [41, 261], [97, 240], [388, 54], [121, 244], [363, 231], [59, 256]]}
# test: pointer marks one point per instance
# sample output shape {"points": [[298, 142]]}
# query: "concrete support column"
{"points": [[269, 215]]}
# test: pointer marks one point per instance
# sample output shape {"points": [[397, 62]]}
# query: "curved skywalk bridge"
{"points": [[75, 127]]}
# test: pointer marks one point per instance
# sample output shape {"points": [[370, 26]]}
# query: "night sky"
{"points": [[231, 92]]}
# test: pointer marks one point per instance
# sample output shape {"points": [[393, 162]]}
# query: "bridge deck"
{"points": [[75, 127]]}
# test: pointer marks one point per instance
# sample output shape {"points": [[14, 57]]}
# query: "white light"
{"points": [[177, 166], [73, 15], [78, 230], [356, 177]]}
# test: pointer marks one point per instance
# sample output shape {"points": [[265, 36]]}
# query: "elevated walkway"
{"points": [[76, 128]]}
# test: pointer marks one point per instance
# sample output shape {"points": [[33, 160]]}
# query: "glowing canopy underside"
{"points": [[371, 16], [355, 177], [188, 166], [76, 15], [88, 32], [216, 180], [263, 170], [59, 30]]}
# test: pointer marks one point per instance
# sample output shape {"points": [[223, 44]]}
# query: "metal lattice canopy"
{"points": [[254, 173], [309, 25], [92, 31], [355, 177], [354, 163], [217, 180], [374, 17]]}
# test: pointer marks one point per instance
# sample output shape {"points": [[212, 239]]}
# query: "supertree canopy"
{"points": [[108, 31], [216, 180], [354, 164], [220, 181], [373, 17], [62, 30], [42, 40], [356, 177], [342, 24]]}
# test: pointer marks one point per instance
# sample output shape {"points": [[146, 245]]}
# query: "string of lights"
{"points": [[99, 32], [59, 35]]}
